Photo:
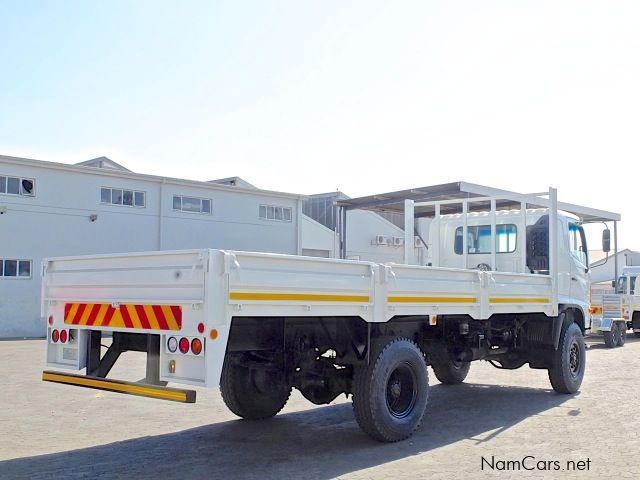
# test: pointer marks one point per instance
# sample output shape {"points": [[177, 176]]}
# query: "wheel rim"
{"points": [[574, 359], [401, 391]]}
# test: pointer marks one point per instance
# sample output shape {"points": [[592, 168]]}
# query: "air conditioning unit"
{"points": [[381, 240], [398, 241]]}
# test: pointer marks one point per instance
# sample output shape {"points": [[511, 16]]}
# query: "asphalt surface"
{"points": [[56, 431]]}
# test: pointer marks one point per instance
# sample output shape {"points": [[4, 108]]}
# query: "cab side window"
{"points": [[578, 244]]}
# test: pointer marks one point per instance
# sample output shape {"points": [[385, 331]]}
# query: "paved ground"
{"points": [[51, 431]]}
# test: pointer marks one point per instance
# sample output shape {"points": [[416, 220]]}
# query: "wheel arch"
{"points": [[567, 314]]}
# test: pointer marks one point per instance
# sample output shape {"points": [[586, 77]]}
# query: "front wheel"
{"points": [[391, 393], [567, 370], [451, 372]]}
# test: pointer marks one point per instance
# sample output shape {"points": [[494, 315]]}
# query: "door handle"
{"points": [[574, 279]]}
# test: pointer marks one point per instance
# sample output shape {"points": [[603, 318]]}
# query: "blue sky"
{"points": [[311, 96]]}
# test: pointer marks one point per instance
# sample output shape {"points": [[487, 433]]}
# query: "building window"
{"points": [[11, 268], [121, 196], [192, 204], [17, 186], [479, 239], [273, 212]]}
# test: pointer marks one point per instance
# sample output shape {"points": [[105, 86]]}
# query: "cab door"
{"points": [[579, 263]]}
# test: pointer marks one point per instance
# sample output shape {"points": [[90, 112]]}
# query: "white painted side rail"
{"points": [[264, 285], [271, 285]]}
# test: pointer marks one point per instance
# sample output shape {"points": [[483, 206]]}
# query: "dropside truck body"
{"points": [[260, 324]]}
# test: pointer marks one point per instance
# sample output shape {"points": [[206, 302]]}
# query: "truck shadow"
{"points": [[321, 443]]}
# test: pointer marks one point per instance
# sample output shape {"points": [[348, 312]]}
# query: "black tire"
{"points": [[622, 334], [253, 394], [569, 361], [451, 372], [636, 333], [611, 337], [390, 394]]}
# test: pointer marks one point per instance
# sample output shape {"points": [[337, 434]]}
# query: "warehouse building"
{"points": [[98, 206]]}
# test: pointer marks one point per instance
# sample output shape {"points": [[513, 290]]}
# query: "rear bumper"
{"points": [[120, 386]]}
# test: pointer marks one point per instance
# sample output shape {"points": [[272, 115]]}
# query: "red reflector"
{"points": [[184, 345], [50, 319], [196, 346], [201, 327], [55, 336], [63, 336]]}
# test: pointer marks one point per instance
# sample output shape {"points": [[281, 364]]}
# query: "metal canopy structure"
{"points": [[463, 198], [394, 201]]}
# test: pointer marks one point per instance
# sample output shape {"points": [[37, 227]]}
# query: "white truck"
{"points": [[609, 314], [630, 294], [505, 285], [614, 313]]}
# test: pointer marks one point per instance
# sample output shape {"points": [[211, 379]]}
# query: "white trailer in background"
{"points": [[260, 324]]}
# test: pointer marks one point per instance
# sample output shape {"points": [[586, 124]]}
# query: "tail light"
{"points": [[55, 336], [196, 346], [50, 319], [63, 336], [172, 344], [184, 345]]}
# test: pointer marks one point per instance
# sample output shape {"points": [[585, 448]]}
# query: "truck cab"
{"points": [[627, 287], [517, 252]]}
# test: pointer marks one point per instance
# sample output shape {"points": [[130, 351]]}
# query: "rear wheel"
{"points": [[451, 372], [254, 394], [569, 361], [611, 337], [636, 333], [391, 393], [622, 338]]}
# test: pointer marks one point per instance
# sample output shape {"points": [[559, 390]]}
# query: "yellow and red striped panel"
{"points": [[150, 317]]}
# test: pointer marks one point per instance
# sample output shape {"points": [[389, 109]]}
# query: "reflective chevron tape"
{"points": [[148, 317]]}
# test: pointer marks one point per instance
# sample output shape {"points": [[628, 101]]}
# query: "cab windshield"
{"points": [[622, 285]]}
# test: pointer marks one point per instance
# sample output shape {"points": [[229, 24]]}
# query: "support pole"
{"points": [[553, 247], [523, 241], [409, 228], [493, 235], [465, 246], [435, 243], [615, 251]]}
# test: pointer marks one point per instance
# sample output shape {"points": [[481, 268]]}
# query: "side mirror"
{"points": [[606, 240]]}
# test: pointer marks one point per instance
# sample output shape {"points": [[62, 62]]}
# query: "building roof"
{"points": [[234, 182], [621, 253], [103, 162], [394, 201], [125, 173]]}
